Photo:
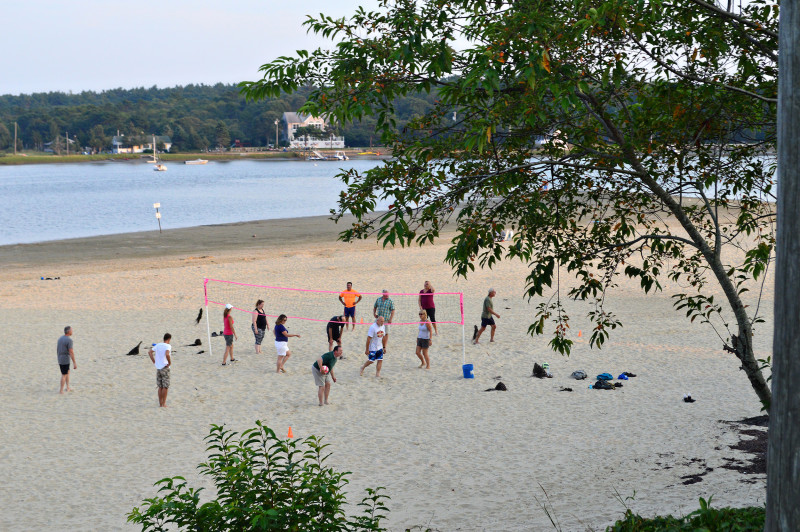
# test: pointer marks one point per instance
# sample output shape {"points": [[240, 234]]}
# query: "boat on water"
{"points": [[159, 166], [196, 161], [317, 156]]}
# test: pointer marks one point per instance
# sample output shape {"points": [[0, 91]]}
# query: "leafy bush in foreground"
{"points": [[263, 483], [706, 519]]}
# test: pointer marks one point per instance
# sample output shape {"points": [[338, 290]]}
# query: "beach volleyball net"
{"points": [[320, 305]]}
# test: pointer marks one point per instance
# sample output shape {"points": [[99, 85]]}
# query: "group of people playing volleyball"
{"points": [[383, 311]]}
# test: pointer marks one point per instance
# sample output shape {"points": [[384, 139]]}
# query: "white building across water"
{"points": [[291, 122]]}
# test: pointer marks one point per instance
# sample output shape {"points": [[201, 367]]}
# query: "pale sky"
{"points": [[77, 45]]}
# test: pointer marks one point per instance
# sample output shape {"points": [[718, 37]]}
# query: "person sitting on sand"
{"points": [[374, 347], [282, 342], [323, 380], [65, 352], [424, 340], [159, 355], [334, 331], [486, 316]]}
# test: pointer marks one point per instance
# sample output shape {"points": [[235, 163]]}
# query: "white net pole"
{"points": [[208, 324], [463, 333]]}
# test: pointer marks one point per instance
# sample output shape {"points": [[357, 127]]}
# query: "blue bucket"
{"points": [[467, 368]]}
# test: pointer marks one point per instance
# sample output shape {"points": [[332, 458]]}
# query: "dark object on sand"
{"points": [[538, 371], [688, 399], [214, 334], [196, 343], [221, 333], [628, 374], [603, 385], [565, 389], [500, 388], [200, 352], [617, 385], [199, 316], [135, 350], [474, 333], [50, 278], [578, 375]]}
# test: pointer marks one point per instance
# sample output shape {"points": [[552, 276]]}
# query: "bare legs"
{"points": [[64, 382], [323, 393], [377, 367], [162, 397], [422, 354], [228, 353], [281, 361], [480, 332]]}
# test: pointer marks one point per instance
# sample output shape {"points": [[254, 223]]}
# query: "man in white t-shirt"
{"points": [[159, 354], [374, 347]]}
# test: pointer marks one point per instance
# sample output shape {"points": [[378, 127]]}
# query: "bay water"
{"points": [[57, 201]]}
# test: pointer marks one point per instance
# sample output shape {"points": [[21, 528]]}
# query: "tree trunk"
{"points": [[783, 456]]}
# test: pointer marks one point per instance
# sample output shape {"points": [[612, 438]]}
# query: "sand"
{"points": [[451, 456]]}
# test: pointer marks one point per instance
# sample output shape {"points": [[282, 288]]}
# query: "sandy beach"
{"points": [[451, 456]]}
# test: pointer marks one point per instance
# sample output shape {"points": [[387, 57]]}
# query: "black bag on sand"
{"points": [[538, 371], [603, 385]]}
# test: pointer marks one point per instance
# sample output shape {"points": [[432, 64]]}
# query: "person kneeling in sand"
{"points": [[159, 355], [322, 370], [374, 347]]}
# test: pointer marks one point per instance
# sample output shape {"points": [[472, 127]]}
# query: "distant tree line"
{"points": [[195, 117]]}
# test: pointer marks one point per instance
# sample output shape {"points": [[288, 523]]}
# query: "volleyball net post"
{"points": [[208, 323]]}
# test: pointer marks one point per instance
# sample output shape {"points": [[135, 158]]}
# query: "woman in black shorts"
{"points": [[424, 340], [426, 304], [260, 324]]}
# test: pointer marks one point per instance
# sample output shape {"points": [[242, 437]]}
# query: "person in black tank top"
{"points": [[260, 324]]}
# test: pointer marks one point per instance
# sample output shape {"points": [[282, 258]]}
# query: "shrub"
{"points": [[706, 519], [262, 483]]}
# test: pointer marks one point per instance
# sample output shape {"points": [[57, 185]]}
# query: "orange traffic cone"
{"points": [[290, 433], [580, 334], [362, 321]]}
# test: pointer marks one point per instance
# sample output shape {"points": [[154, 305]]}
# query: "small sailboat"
{"points": [[159, 166]]}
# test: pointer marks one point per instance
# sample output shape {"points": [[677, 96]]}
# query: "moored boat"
{"points": [[196, 161]]}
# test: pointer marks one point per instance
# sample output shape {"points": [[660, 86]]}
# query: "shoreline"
{"points": [[124, 290], [195, 240], [293, 155]]}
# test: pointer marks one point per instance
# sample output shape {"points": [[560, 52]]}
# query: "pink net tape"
{"points": [[209, 301]]}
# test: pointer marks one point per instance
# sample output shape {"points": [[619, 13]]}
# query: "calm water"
{"points": [[56, 201]]}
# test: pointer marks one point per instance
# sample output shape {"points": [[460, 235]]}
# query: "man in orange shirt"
{"points": [[350, 299]]}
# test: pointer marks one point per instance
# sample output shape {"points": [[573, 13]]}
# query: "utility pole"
{"points": [[15, 138], [783, 482], [276, 134]]}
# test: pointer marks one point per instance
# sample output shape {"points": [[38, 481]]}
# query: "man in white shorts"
{"points": [[159, 355], [374, 347]]}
